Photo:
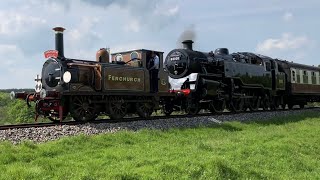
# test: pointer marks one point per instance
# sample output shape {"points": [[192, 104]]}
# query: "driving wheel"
{"points": [[254, 103], [167, 108], [217, 106], [116, 107], [266, 103], [236, 105], [82, 109], [192, 107], [144, 107]]}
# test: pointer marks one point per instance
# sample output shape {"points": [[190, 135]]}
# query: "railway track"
{"points": [[36, 125]]}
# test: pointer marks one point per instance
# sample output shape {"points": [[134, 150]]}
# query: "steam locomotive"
{"points": [[87, 88], [213, 81], [239, 81]]}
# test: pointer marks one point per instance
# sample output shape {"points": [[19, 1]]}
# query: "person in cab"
{"points": [[154, 71]]}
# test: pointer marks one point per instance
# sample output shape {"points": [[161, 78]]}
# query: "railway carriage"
{"points": [[302, 83]]}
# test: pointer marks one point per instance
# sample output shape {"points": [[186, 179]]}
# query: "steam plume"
{"points": [[187, 34]]}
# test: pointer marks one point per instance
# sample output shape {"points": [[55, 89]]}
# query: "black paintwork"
{"points": [[221, 71], [59, 44]]}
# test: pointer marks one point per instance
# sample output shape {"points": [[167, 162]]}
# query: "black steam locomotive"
{"points": [[239, 81]]}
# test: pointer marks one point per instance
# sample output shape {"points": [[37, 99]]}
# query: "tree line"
{"points": [[16, 90]]}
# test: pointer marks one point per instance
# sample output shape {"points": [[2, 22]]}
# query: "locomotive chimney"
{"points": [[187, 44], [59, 40]]}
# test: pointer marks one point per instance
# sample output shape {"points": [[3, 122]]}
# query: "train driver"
{"points": [[153, 71]]}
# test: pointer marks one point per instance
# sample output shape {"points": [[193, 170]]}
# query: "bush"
{"points": [[19, 112], [4, 99], [12, 112]]}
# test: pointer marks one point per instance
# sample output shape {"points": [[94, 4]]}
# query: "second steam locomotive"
{"points": [[240, 81]]}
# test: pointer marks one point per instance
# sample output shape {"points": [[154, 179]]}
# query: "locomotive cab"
{"points": [[138, 59]]}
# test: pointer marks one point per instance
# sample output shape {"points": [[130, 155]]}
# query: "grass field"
{"points": [[282, 148]]}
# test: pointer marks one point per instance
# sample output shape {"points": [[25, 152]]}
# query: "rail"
{"points": [[37, 125]]}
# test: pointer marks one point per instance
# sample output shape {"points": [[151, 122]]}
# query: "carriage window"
{"points": [[299, 74], [293, 76], [305, 77], [313, 78]]}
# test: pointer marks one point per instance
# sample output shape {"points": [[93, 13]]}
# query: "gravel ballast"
{"points": [[44, 134]]}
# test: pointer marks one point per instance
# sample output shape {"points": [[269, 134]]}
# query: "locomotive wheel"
{"points": [[290, 106], [301, 106], [236, 105], [245, 106], [144, 109], [192, 107], [266, 103], [283, 106], [254, 103], [167, 108], [217, 106], [278, 105], [81, 109], [116, 107], [273, 104]]}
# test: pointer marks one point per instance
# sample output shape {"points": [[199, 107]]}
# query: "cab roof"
{"points": [[136, 50]]}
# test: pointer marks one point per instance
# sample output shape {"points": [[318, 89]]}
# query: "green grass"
{"points": [[281, 148]]}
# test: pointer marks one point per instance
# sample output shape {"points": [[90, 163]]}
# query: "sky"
{"points": [[286, 29]]}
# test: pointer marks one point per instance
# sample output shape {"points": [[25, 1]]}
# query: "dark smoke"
{"points": [[187, 34]]}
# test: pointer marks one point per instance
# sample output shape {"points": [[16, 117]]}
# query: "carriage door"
{"points": [[273, 74]]}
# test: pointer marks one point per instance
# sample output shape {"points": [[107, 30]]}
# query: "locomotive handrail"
{"points": [[132, 60], [85, 65]]}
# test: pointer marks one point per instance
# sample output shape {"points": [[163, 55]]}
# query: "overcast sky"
{"points": [[287, 29]]}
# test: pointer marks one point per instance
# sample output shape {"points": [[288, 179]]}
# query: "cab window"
{"points": [[268, 66], [134, 55], [118, 57]]}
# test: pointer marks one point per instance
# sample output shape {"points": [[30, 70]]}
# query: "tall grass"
{"points": [[280, 148]]}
